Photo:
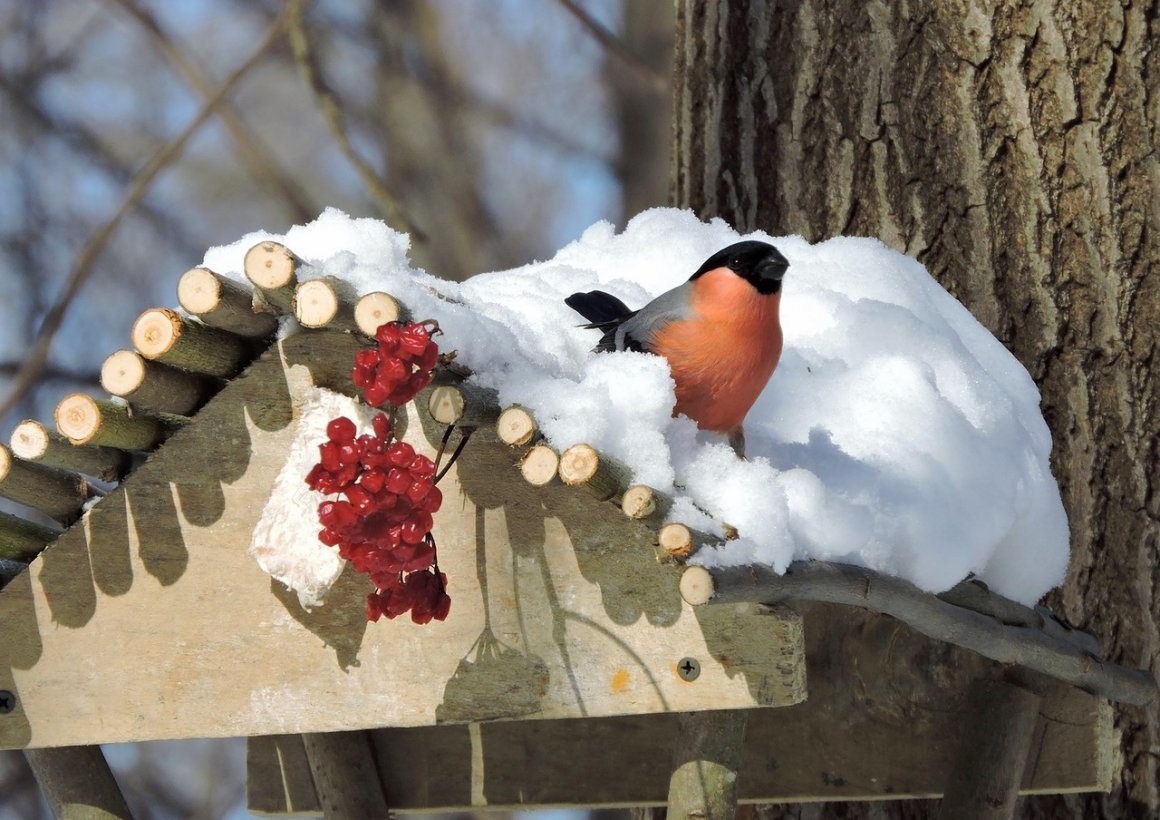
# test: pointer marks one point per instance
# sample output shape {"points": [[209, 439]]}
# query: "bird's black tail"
{"points": [[603, 312]]}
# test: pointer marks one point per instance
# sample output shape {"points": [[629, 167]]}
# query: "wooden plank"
{"points": [[883, 719], [559, 606]]}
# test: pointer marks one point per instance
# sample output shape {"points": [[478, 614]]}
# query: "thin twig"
{"points": [[443, 447], [464, 436], [981, 632], [332, 112], [252, 151], [83, 266], [649, 75]]}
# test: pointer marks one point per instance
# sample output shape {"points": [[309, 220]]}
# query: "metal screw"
{"points": [[689, 669], [7, 701]]}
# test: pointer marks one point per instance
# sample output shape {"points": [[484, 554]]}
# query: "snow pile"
{"points": [[285, 540], [896, 433]]}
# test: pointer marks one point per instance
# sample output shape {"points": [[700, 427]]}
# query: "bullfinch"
{"points": [[719, 331]]}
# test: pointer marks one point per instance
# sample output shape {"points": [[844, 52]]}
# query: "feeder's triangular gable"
{"points": [[148, 618]]}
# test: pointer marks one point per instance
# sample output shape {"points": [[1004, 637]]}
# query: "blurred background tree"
{"points": [[135, 134]]}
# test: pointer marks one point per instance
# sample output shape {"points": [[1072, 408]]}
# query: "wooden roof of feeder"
{"points": [[145, 618]]}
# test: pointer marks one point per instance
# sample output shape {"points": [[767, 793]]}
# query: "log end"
{"points": [[270, 265], [6, 462], [539, 465], [516, 426], [199, 290], [30, 440], [638, 501], [676, 540], [315, 304], [78, 418], [155, 332], [376, 309], [123, 372], [447, 404], [578, 464], [696, 586]]}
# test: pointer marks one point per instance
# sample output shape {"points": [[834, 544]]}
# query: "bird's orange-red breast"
{"points": [[720, 331], [723, 355]]}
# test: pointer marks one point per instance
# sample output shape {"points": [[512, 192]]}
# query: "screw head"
{"points": [[689, 669], [7, 701]]}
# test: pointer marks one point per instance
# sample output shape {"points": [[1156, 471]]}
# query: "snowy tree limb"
{"points": [[982, 629]]}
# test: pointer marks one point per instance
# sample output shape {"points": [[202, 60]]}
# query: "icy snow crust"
{"points": [[897, 433]]}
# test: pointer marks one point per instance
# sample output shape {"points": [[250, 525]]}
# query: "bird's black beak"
{"points": [[773, 267]]}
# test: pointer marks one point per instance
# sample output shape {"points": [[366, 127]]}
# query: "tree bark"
{"points": [[1012, 149]]}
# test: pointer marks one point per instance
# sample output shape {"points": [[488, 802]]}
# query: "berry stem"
{"points": [[467, 431]]}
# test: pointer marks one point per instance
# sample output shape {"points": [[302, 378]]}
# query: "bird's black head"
{"points": [[759, 263]]}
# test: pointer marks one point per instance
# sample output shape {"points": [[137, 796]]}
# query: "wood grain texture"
{"points": [[885, 711], [559, 608], [1010, 147]]}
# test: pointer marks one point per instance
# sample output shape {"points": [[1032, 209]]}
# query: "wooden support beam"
{"points": [[983, 784], [901, 696], [375, 309], [582, 466], [273, 269], [55, 493], [33, 441], [152, 386], [77, 783], [706, 762], [84, 420], [326, 302], [345, 776], [516, 427], [222, 303], [164, 335], [22, 540]]}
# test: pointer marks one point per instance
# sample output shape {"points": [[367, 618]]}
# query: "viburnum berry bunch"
{"points": [[382, 522], [399, 366]]}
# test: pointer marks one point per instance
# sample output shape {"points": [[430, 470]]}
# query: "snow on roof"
{"points": [[897, 433]]}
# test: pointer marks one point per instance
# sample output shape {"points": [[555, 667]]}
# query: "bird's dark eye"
{"points": [[735, 262]]}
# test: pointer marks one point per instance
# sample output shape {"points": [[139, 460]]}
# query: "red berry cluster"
{"points": [[383, 523], [394, 371]]}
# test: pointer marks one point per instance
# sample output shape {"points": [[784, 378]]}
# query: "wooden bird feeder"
{"points": [[582, 665]]}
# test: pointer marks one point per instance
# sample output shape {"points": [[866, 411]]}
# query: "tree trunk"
{"points": [[1012, 149]]}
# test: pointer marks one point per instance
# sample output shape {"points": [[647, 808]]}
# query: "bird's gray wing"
{"points": [[639, 331]]}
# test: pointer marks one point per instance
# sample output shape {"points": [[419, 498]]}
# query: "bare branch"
{"points": [[1018, 644], [646, 73], [21, 94], [83, 266], [251, 150], [332, 112]]}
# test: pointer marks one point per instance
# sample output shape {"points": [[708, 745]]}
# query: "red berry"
{"points": [[433, 500], [341, 430], [376, 394], [398, 481], [413, 531], [422, 467], [401, 454], [382, 425], [429, 358]]}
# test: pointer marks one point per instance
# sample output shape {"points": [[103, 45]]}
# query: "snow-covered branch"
{"points": [[975, 619]]}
